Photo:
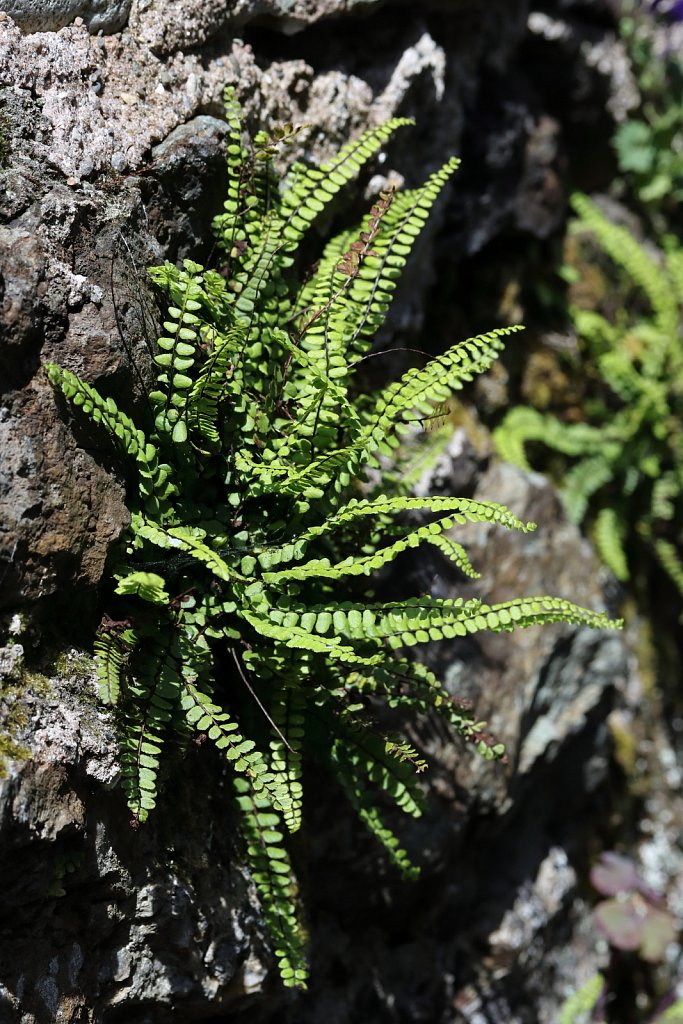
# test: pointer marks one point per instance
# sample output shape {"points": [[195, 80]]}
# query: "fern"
{"points": [[240, 615], [579, 1007], [673, 1014], [627, 473]]}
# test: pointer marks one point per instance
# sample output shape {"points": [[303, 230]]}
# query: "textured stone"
{"points": [[168, 25], [498, 844], [115, 162], [49, 15], [95, 915]]}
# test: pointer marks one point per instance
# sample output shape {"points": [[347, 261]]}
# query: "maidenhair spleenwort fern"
{"points": [[624, 467], [257, 627]]}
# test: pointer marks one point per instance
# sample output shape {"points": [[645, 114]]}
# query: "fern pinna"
{"points": [[627, 469], [247, 504]]}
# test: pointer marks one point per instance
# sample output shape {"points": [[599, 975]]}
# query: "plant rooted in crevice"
{"points": [[251, 544]]}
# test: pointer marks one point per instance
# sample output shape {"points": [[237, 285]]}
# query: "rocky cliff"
{"points": [[112, 160]]}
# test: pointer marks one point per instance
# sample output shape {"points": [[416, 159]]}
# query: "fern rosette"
{"points": [[623, 467], [245, 580]]}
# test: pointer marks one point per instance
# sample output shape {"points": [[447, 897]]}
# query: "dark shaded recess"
{"points": [[658, 593], [575, 93], [482, 864], [551, 80], [359, 17], [468, 291], [351, 40], [596, 13], [492, 149], [182, 192], [356, 49], [487, 265]]}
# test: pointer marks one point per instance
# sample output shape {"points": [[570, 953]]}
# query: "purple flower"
{"points": [[671, 9]]}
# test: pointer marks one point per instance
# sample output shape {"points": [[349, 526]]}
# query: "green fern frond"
{"points": [[286, 748], [155, 485], [247, 533], [321, 568], [465, 509], [372, 289], [311, 189], [189, 539], [298, 639], [210, 387], [149, 586], [420, 389], [585, 479], [272, 874], [238, 203], [205, 716], [665, 491], [594, 329], [455, 553], [350, 771], [620, 244], [178, 348], [360, 757], [152, 696], [628, 477], [609, 540], [670, 560], [523, 425], [577, 1009], [674, 264], [112, 649]]}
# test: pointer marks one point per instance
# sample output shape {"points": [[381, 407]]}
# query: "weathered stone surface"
{"points": [[115, 162], [93, 915], [496, 846], [50, 15], [500, 845], [72, 272]]}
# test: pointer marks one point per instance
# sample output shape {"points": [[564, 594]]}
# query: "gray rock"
{"points": [[49, 15], [168, 25], [498, 846], [115, 163], [101, 916]]}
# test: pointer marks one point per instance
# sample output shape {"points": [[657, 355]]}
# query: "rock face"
{"points": [[97, 918], [110, 116], [114, 162], [49, 15], [145, 925]]}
